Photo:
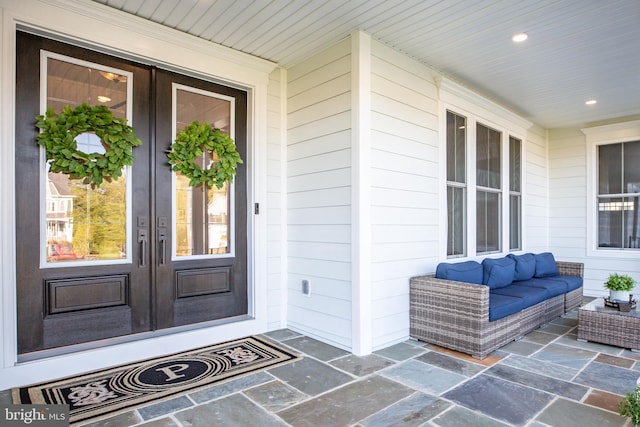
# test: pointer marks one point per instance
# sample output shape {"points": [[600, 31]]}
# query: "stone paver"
{"points": [[451, 363], [571, 414], [275, 396], [415, 410], [459, 416], [422, 376], [565, 355], [164, 408], [608, 378], [361, 366], [230, 387], [503, 400], [540, 382], [234, 410], [315, 348], [346, 405], [401, 351], [311, 376]]}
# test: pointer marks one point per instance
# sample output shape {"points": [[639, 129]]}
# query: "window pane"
{"points": [[618, 222], [487, 157], [631, 153], [609, 169], [514, 222], [514, 164], [488, 222], [456, 240], [456, 146], [515, 207]]}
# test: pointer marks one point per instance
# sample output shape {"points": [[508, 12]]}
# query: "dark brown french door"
{"points": [[138, 255]]}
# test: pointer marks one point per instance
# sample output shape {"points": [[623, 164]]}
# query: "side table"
{"points": [[607, 325]]}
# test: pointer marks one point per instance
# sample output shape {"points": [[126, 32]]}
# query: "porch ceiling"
{"points": [[577, 49]]}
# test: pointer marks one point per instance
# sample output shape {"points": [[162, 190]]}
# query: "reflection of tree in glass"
{"points": [[100, 219]]}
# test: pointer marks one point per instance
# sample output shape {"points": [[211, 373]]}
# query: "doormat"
{"points": [[101, 394]]}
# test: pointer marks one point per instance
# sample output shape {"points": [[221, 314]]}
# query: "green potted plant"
{"points": [[630, 406], [620, 286]]}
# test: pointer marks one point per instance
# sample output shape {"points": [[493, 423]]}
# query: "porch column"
{"points": [[360, 192]]}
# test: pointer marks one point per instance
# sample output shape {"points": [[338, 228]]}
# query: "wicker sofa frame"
{"points": [[455, 315]]}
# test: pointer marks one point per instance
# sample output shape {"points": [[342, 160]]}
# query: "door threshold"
{"points": [[93, 345]]}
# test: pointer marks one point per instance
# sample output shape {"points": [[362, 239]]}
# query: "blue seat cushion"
{"points": [[502, 306], [552, 286], [498, 272], [546, 265], [572, 282], [530, 296], [525, 266], [468, 271]]}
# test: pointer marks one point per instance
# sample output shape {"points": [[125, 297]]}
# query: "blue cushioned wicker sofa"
{"points": [[477, 307]]}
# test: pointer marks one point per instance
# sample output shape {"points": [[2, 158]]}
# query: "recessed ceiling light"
{"points": [[520, 37], [103, 98], [591, 102]]}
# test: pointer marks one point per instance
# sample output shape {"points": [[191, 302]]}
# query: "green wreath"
{"points": [[191, 143], [58, 133]]}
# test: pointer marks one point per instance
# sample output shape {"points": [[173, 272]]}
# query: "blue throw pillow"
{"points": [[546, 265], [498, 272], [525, 266], [468, 271]]}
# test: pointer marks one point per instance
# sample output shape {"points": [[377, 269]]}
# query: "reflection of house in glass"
{"points": [[59, 208], [59, 218], [218, 221]]}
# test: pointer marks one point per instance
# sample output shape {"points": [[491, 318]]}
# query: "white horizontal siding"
{"points": [[404, 186], [319, 196], [567, 193], [535, 191]]}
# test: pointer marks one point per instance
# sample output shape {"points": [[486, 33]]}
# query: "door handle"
{"points": [[162, 240], [142, 240]]}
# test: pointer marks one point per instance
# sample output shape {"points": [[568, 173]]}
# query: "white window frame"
{"points": [[603, 135], [477, 109]]}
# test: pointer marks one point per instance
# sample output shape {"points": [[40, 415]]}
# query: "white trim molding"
{"points": [[362, 335]]}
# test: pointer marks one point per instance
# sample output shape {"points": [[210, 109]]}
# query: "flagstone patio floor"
{"points": [[547, 378]]}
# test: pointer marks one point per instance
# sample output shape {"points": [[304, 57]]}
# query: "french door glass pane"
{"points": [[81, 223], [488, 222], [456, 240], [202, 214]]}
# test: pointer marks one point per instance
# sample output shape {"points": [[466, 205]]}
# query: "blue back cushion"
{"points": [[468, 271], [546, 265], [498, 272], [525, 266]]}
